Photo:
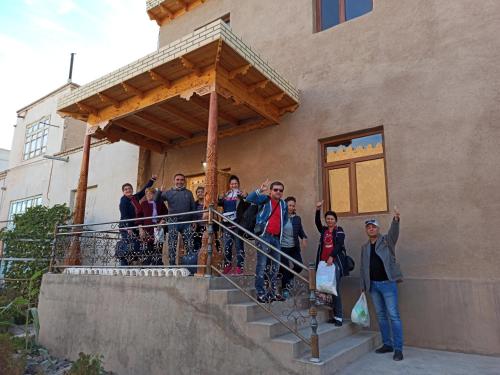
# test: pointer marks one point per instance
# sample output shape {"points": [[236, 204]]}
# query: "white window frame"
{"points": [[36, 138], [20, 206]]}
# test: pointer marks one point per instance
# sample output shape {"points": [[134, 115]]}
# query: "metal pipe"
{"points": [[70, 76], [135, 219]]}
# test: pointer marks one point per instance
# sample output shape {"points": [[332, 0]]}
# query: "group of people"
{"points": [[281, 232]]}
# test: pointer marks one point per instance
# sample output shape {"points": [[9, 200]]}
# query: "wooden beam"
{"points": [[169, 13], [149, 133], [116, 134], [227, 132], [158, 77], [273, 98], [189, 65], [86, 108], [132, 90], [224, 116], [239, 91], [107, 99], [184, 4], [156, 95], [258, 85], [183, 115], [143, 167], [156, 121], [75, 115], [243, 70]]}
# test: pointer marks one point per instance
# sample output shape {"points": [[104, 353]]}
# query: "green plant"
{"points": [[87, 364], [11, 363]]}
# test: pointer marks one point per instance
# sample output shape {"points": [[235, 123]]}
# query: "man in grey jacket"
{"points": [[179, 200], [379, 273]]}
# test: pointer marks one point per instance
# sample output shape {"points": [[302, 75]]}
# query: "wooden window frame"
{"points": [[342, 14], [351, 165]]}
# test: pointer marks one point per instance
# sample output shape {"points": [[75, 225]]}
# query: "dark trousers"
{"points": [[287, 276], [337, 300]]}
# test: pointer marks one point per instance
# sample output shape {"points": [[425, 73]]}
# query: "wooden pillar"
{"points": [[143, 174], [210, 177], [80, 201]]}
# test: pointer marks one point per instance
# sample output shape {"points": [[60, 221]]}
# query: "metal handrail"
{"points": [[261, 251], [136, 219], [257, 238]]}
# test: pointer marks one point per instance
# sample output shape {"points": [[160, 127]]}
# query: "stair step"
{"points": [[336, 356], [244, 281], [271, 327], [292, 346], [231, 296]]}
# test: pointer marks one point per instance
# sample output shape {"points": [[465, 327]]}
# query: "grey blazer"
{"points": [[386, 249]]}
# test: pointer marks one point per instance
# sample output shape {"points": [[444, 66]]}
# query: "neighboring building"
{"points": [[32, 179], [398, 106], [4, 159]]}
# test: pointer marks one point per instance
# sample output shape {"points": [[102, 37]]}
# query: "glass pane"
{"points": [[356, 8], [39, 201], [38, 143], [371, 189], [26, 147], [329, 13], [338, 183], [45, 140], [354, 148]]}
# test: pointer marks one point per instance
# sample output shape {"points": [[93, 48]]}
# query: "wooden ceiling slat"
{"points": [[154, 120]]}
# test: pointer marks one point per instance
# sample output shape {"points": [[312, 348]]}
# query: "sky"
{"points": [[37, 37]]}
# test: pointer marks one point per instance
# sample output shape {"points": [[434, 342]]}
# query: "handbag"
{"points": [[259, 227]]}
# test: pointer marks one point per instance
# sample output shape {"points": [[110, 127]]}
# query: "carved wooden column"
{"points": [[143, 174], [73, 257], [211, 180]]}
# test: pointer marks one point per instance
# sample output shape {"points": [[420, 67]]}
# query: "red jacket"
{"points": [[147, 211]]}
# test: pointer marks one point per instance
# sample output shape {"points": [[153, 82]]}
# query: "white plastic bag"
{"points": [[360, 314], [325, 279], [159, 235]]}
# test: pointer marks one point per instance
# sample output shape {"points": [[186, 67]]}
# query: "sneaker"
{"points": [[279, 298], [336, 322], [286, 294], [398, 355], [384, 349], [227, 269], [263, 299], [238, 271]]}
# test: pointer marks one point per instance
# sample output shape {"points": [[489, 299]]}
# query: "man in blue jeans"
{"points": [[272, 216], [179, 200], [379, 274]]}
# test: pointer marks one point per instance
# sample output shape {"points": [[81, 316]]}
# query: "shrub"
{"points": [[10, 362], [87, 364]]}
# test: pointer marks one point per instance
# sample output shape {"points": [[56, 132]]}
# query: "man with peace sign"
{"points": [[272, 216]]}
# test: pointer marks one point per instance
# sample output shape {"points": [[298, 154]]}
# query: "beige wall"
{"points": [[428, 72]]}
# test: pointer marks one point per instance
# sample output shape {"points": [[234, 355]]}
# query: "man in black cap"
{"points": [[379, 274]]}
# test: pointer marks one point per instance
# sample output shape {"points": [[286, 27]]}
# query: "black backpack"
{"points": [[246, 215]]}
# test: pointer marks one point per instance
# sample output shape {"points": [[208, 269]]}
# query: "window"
{"points": [[332, 12], [20, 206], [354, 177], [35, 142]]}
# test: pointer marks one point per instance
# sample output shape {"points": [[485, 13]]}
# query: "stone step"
{"points": [[271, 327], [231, 296], [244, 281], [291, 346], [336, 356]]}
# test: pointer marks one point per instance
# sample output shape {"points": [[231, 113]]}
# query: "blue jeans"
{"points": [[229, 239], [385, 298], [260, 267], [187, 236]]}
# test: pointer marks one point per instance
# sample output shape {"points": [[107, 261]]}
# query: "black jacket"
{"points": [[338, 239], [298, 230]]}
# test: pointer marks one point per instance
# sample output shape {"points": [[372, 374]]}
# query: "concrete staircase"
{"points": [[339, 346]]}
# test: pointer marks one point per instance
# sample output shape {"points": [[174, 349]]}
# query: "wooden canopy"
{"points": [[161, 101], [163, 11]]}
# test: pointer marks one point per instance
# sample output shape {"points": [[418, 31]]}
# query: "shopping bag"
{"points": [[325, 278], [360, 314]]}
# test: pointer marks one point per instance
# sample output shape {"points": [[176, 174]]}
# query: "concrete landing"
{"points": [[424, 362]]}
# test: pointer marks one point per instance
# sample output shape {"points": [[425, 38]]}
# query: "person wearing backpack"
{"points": [[331, 250], [380, 274], [272, 216]]}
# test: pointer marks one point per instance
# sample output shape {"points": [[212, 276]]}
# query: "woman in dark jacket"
{"points": [[153, 242], [290, 245], [130, 208], [330, 248]]}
